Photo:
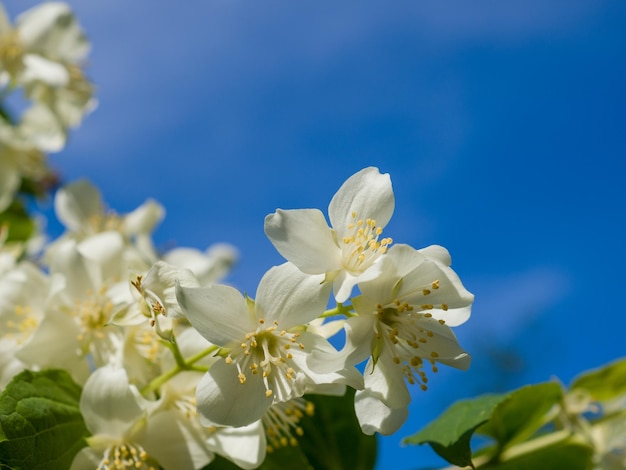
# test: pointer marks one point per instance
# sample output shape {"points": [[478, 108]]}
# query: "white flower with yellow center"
{"points": [[23, 295], [267, 345], [347, 253], [87, 289], [81, 209], [403, 325], [127, 433]]}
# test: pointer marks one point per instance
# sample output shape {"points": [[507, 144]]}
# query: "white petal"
{"points": [[366, 193], [144, 218], [174, 441], [385, 381], [345, 281], [375, 416], [76, 203], [104, 252], [209, 266], [43, 129], [223, 401], [108, 404], [52, 29], [342, 374], [359, 335], [38, 68], [218, 312], [290, 297], [437, 253], [81, 276], [245, 446], [303, 237], [86, 459], [161, 280], [450, 290], [443, 342]]}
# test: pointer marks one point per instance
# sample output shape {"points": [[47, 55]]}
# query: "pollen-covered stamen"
{"points": [[93, 314], [403, 334], [362, 243], [154, 303], [21, 325], [11, 52], [147, 343], [267, 352], [282, 421], [187, 405], [103, 222], [126, 456]]}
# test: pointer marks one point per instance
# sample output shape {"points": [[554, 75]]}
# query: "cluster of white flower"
{"points": [[177, 367], [41, 55]]}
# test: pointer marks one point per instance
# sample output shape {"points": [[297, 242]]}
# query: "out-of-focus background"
{"points": [[502, 125]]}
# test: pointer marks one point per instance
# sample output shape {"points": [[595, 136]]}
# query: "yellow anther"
{"points": [[242, 378], [426, 292], [434, 354], [268, 393], [435, 284], [444, 307]]}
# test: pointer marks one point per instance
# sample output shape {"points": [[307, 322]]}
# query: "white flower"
{"points": [[23, 295], [79, 206], [209, 266], [267, 344], [348, 253], [87, 291], [403, 323], [128, 433]]}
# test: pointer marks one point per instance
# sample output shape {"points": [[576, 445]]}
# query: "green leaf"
{"points": [[450, 434], [522, 413], [604, 383], [332, 440], [549, 451], [41, 427], [16, 219]]}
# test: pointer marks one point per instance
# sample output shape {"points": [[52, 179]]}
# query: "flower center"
{"points": [[11, 53], [126, 456], [268, 351], [403, 331], [93, 314], [282, 420], [362, 244], [22, 325]]}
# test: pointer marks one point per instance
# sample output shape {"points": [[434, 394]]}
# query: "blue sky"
{"points": [[501, 123]]}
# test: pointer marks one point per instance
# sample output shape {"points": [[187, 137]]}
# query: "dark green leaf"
{"points": [[605, 383], [450, 434], [41, 427], [522, 413], [333, 439]]}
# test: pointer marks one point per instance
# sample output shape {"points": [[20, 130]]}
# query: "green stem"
{"points": [[340, 309], [182, 364]]}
